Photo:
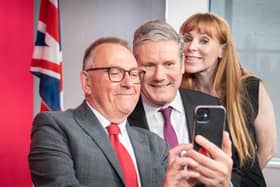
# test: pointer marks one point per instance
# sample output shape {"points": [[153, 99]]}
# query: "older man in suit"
{"points": [[158, 49], [93, 145]]}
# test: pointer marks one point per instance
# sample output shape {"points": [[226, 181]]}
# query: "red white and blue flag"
{"points": [[47, 56]]}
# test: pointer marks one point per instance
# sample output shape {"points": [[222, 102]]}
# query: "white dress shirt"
{"points": [[123, 137], [178, 118]]}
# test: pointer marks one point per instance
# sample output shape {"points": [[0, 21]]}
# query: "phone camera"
{"points": [[203, 115]]}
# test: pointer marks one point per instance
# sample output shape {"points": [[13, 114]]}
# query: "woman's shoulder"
{"points": [[251, 95], [251, 80], [251, 84]]}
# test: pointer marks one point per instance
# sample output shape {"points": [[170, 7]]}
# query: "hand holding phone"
{"points": [[209, 122]]}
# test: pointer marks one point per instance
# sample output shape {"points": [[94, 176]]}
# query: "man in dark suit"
{"points": [[158, 49], [93, 145]]}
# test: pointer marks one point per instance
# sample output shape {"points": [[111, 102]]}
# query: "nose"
{"points": [[159, 73], [126, 80], [192, 45]]}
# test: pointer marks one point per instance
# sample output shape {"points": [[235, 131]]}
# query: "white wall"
{"points": [[272, 174], [82, 22], [177, 11]]}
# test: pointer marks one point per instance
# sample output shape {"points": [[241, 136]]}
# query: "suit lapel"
{"points": [[138, 117], [142, 155], [90, 124], [188, 106]]}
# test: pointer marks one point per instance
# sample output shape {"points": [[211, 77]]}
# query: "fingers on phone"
{"points": [[226, 146], [183, 163], [204, 152], [208, 147], [180, 149]]}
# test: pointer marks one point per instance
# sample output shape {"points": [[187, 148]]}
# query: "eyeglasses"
{"points": [[117, 74]]}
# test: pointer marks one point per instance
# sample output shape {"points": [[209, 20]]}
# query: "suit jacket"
{"points": [[190, 99], [71, 148]]}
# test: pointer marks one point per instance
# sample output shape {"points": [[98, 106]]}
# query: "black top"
{"points": [[251, 173]]}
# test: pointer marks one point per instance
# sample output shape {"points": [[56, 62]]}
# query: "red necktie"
{"points": [[124, 158]]}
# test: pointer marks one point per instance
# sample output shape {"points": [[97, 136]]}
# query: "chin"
{"points": [[160, 102], [159, 98], [127, 109], [190, 70], [127, 112]]}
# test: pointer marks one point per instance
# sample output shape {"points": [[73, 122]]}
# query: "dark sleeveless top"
{"points": [[251, 173]]}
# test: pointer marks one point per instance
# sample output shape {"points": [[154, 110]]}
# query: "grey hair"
{"points": [[157, 30]]}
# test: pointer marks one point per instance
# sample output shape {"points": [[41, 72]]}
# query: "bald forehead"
{"points": [[111, 54]]}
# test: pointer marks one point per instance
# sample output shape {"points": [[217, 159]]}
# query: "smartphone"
{"points": [[209, 121]]}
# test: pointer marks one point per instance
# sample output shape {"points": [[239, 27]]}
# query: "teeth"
{"points": [[159, 86], [192, 58]]}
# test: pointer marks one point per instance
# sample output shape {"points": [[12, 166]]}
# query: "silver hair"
{"points": [[157, 30]]}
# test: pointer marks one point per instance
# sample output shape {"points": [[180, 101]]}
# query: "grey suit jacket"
{"points": [[71, 148], [190, 99]]}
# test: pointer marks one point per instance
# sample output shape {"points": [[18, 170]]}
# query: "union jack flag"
{"points": [[47, 56]]}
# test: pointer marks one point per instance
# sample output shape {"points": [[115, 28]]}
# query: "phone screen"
{"points": [[209, 121]]}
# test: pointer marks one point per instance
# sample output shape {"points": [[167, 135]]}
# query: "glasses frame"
{"points": [[123, 71]]}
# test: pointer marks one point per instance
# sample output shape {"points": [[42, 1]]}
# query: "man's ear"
{"points": [[221, 50], [85, 82]]}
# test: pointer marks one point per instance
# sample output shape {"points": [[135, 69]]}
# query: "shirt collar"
{"points": [[176, 104], [105, 122]]}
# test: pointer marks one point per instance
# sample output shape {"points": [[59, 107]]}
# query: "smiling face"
{"points": [[201, 52], [164, 68], [114, 100]]}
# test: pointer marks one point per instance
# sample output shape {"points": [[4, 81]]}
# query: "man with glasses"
{"points": [[92, 145]]}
